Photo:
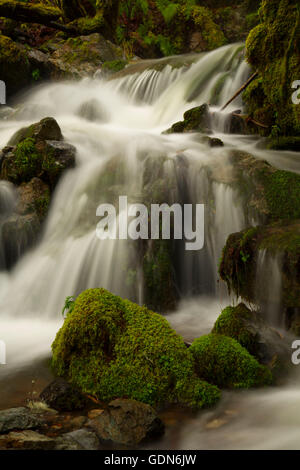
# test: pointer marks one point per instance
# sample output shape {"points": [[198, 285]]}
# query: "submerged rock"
{"points": [[113, 348], [127, 422], [18, 418]]}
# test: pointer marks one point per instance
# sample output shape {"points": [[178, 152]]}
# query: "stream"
{"points": [[129, 115]]}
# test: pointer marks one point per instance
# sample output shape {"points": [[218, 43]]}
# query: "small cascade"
{"points": [[8, 201], [269, 287]]}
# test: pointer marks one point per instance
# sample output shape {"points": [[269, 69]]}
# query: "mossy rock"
{"points": [[224, 362], [14, 65], [268, 194], [197, 119], [273, 50], [113, 348], [238, 267], [252, 332]]}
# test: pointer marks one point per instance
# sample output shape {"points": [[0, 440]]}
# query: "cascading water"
{"points": [[115, 142]]}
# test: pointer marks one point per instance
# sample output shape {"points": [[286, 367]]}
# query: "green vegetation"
{"points": [[279, 239], [232, 323], [224, 362], [273, 50], [111, 347]]}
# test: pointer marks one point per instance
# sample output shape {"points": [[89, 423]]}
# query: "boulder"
{"points": [[224, 362], [46, 129], [83, 438], [63, 396], [18, 418], [197, 119], [251, 330], [242, 265], [110, 347], [127, 422]]}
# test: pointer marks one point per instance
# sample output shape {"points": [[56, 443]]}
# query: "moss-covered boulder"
{"points": [[197, 119], [267, 194], [83, 55], [273, 49], [113, 348], [37, 151], [34, 161], [14, 65], [224, 362], [239, 265], [249, 328]]}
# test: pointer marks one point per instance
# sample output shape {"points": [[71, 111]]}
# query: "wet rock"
{"points": [[33, 197], [66, 443], [14, 65], [251, 330], [46, 129], [82, 56], [85, 439], [240, 267], [19, 233], [92, 110], [27, 440], [127, 422], [18, 418], [62, 396], [197, 119]]}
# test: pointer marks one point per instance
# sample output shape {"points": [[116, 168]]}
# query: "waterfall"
{"points": [[269, 295], [116, 126]]}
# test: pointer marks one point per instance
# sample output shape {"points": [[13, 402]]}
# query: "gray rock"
{"points": [[27, 440], [127, 422], [18, 418], [87, 440]]}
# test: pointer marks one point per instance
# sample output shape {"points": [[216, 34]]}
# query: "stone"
{"points": [[127, 422], [86, 439], [27, 440], [18, 418], [46, 129], [62, 396]]}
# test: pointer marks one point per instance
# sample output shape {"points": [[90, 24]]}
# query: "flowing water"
{"points": [[118, 124]]}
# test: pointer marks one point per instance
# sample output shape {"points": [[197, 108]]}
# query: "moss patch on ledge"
{"points": [[238, 266], [269, 194], [113, 348]]}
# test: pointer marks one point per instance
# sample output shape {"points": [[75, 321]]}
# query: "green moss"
{"points": [[224, 362], [114, 65], [195, 119], [231, 323], [273, 50], [282, 191], [112, 348], [279, 239], [27, 159]]}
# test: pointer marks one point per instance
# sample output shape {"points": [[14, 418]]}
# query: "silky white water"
{"points": [[70, 258]]}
